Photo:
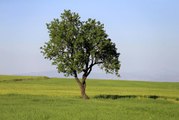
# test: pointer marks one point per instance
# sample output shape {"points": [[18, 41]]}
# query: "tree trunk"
{"points": [[82, 86], [83, 91]]}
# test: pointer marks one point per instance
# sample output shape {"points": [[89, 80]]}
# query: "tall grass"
{"points": [[39, 98]]}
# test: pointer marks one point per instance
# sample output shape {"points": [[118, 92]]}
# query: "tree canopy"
{"points": [[76, 46]]}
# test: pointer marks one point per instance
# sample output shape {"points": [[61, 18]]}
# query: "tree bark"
{"points": [[82, 86], [83, 91]]}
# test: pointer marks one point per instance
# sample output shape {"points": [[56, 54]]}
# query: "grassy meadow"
{"points": [[43, 98]]}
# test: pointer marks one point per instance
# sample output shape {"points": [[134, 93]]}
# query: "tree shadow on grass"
{"points": [[113, 97]]}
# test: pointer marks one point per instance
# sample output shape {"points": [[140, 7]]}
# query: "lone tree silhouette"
{"points": [[76, 46]]}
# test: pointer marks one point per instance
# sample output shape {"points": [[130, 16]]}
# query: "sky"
{"points": [[146, 33]]}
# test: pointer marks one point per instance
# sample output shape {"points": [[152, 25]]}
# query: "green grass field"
{"points": [[41, 98]]}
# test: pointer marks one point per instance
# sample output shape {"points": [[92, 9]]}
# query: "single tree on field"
{"points": [[76, 46]]}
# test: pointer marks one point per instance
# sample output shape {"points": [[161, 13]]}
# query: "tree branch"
{"points": [[89, 71], [75, 74], [76, 78]]}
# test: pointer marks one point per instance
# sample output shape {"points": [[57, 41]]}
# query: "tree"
{"points": [[76, 46]]}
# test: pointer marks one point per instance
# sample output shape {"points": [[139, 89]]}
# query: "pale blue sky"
{"points": [[146, 33]]}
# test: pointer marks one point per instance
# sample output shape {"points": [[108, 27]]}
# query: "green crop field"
{"points": [[43, 98]]}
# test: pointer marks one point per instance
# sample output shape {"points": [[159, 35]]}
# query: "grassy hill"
{"points": [[43, 98]]}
